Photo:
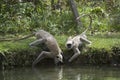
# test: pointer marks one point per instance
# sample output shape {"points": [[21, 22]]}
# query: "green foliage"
{"points": [[105, 14], [15, 18], [18, 17], [113, 9]]}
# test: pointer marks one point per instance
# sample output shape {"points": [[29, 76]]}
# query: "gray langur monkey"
{"points": [[46, 40], [75, 42], [51, 43]]}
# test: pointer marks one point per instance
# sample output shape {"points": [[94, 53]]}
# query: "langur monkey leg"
{"points": [[41, 56], [85, 40]]}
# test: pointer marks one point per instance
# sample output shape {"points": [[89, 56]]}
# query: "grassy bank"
{"points": [[105, 49]]}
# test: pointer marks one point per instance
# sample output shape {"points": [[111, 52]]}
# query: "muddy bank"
{"points": [[93, 56]]}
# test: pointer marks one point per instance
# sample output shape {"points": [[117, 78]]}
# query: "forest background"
{"points": [[26, 16]]}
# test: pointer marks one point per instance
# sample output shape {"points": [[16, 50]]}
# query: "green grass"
{"points": [[106, 43], [15, 45], [98, 41]]}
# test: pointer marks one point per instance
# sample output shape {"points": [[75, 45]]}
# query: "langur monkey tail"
{"points": [[18, 39], [30, 35], [90, 24]]}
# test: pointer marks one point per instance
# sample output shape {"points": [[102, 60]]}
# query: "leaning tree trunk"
{"points": [[76, 14]]}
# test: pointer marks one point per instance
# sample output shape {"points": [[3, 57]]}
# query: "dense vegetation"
{"points": [[19, 16]]}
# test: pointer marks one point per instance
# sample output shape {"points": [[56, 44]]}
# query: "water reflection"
{"points": [[55, 73], [1, 75], [61, 73]]}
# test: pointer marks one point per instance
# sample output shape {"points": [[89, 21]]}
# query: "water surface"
{"points": [[61, 73]]}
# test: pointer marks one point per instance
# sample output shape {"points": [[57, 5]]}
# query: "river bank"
{"points": [[103, 51]]}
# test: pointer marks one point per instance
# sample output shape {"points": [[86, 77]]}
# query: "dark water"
{"points": [[61, 73]]}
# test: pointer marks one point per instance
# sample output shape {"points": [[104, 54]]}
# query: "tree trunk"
{"points": [[75, 12]]}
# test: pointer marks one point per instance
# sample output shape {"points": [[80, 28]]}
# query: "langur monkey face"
{"points": [[59, 59], [69, 43]]}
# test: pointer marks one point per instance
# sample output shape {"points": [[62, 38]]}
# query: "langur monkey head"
{"points": [[69, 43], [59, 59]]}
